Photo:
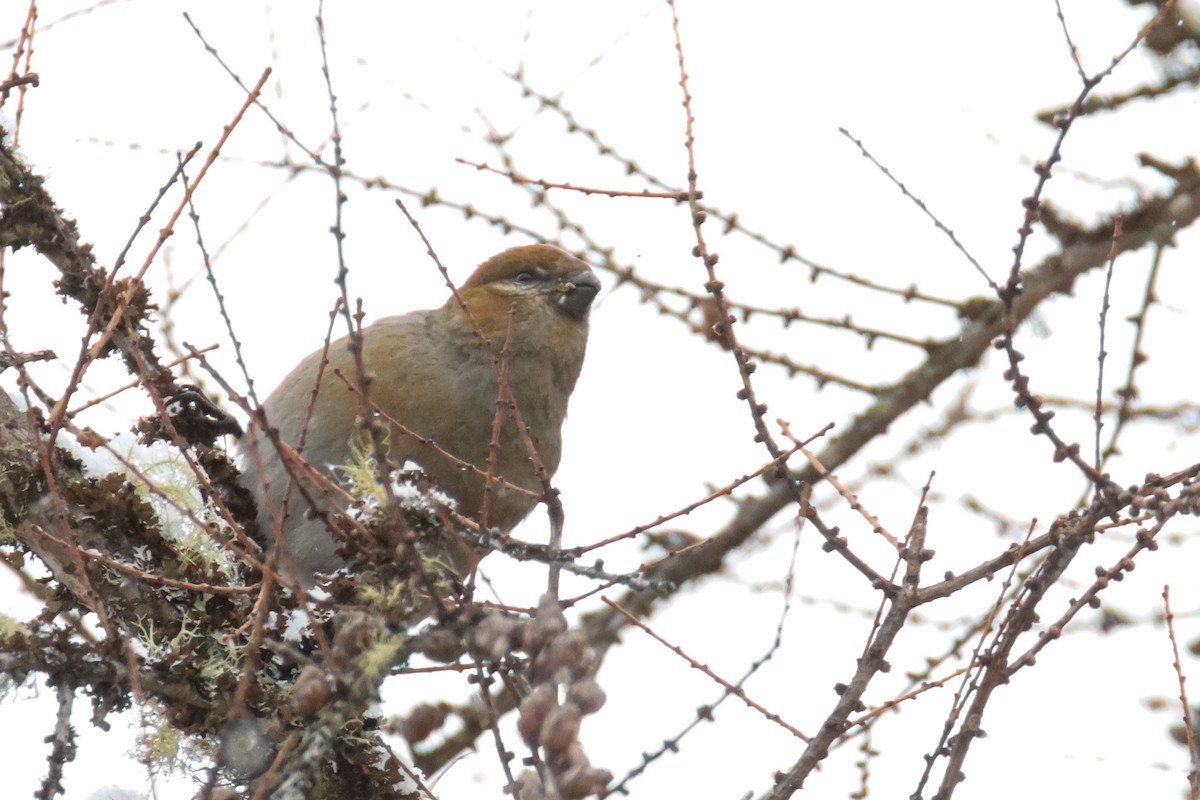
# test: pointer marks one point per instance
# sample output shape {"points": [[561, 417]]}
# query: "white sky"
{"points": [[942, 92]]}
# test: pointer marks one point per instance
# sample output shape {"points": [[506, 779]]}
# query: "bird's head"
{"points": [[539, 285]]}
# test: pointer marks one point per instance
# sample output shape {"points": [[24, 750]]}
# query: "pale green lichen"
{"points": [[12, 632], [162, 746], [358, 473], [163, 749], [169, 486]]}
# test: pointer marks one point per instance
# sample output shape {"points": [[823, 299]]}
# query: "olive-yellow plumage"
{"points": [[432, 374]]}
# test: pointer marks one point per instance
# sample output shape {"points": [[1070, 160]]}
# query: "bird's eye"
{"points": [[524, 277]]}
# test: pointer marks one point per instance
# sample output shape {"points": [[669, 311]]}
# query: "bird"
{"points": [[435, 372]]}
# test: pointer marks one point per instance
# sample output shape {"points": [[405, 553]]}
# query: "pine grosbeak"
{"points": [[432, 374]]}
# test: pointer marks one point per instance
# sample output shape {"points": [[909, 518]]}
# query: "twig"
{"points": [[1193, 756], [1098, 415], [736, 691], [678, 197]]}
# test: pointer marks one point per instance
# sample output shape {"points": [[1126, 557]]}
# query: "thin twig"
{"points": [[678, 197], [1193, 756], [924, 208], [1098, 415], [736, 691]]}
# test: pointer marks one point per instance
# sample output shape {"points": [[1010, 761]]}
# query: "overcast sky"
{"points": [[942, 92]]}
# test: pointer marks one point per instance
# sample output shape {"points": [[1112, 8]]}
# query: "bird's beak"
{"points": [[574, 295]]}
